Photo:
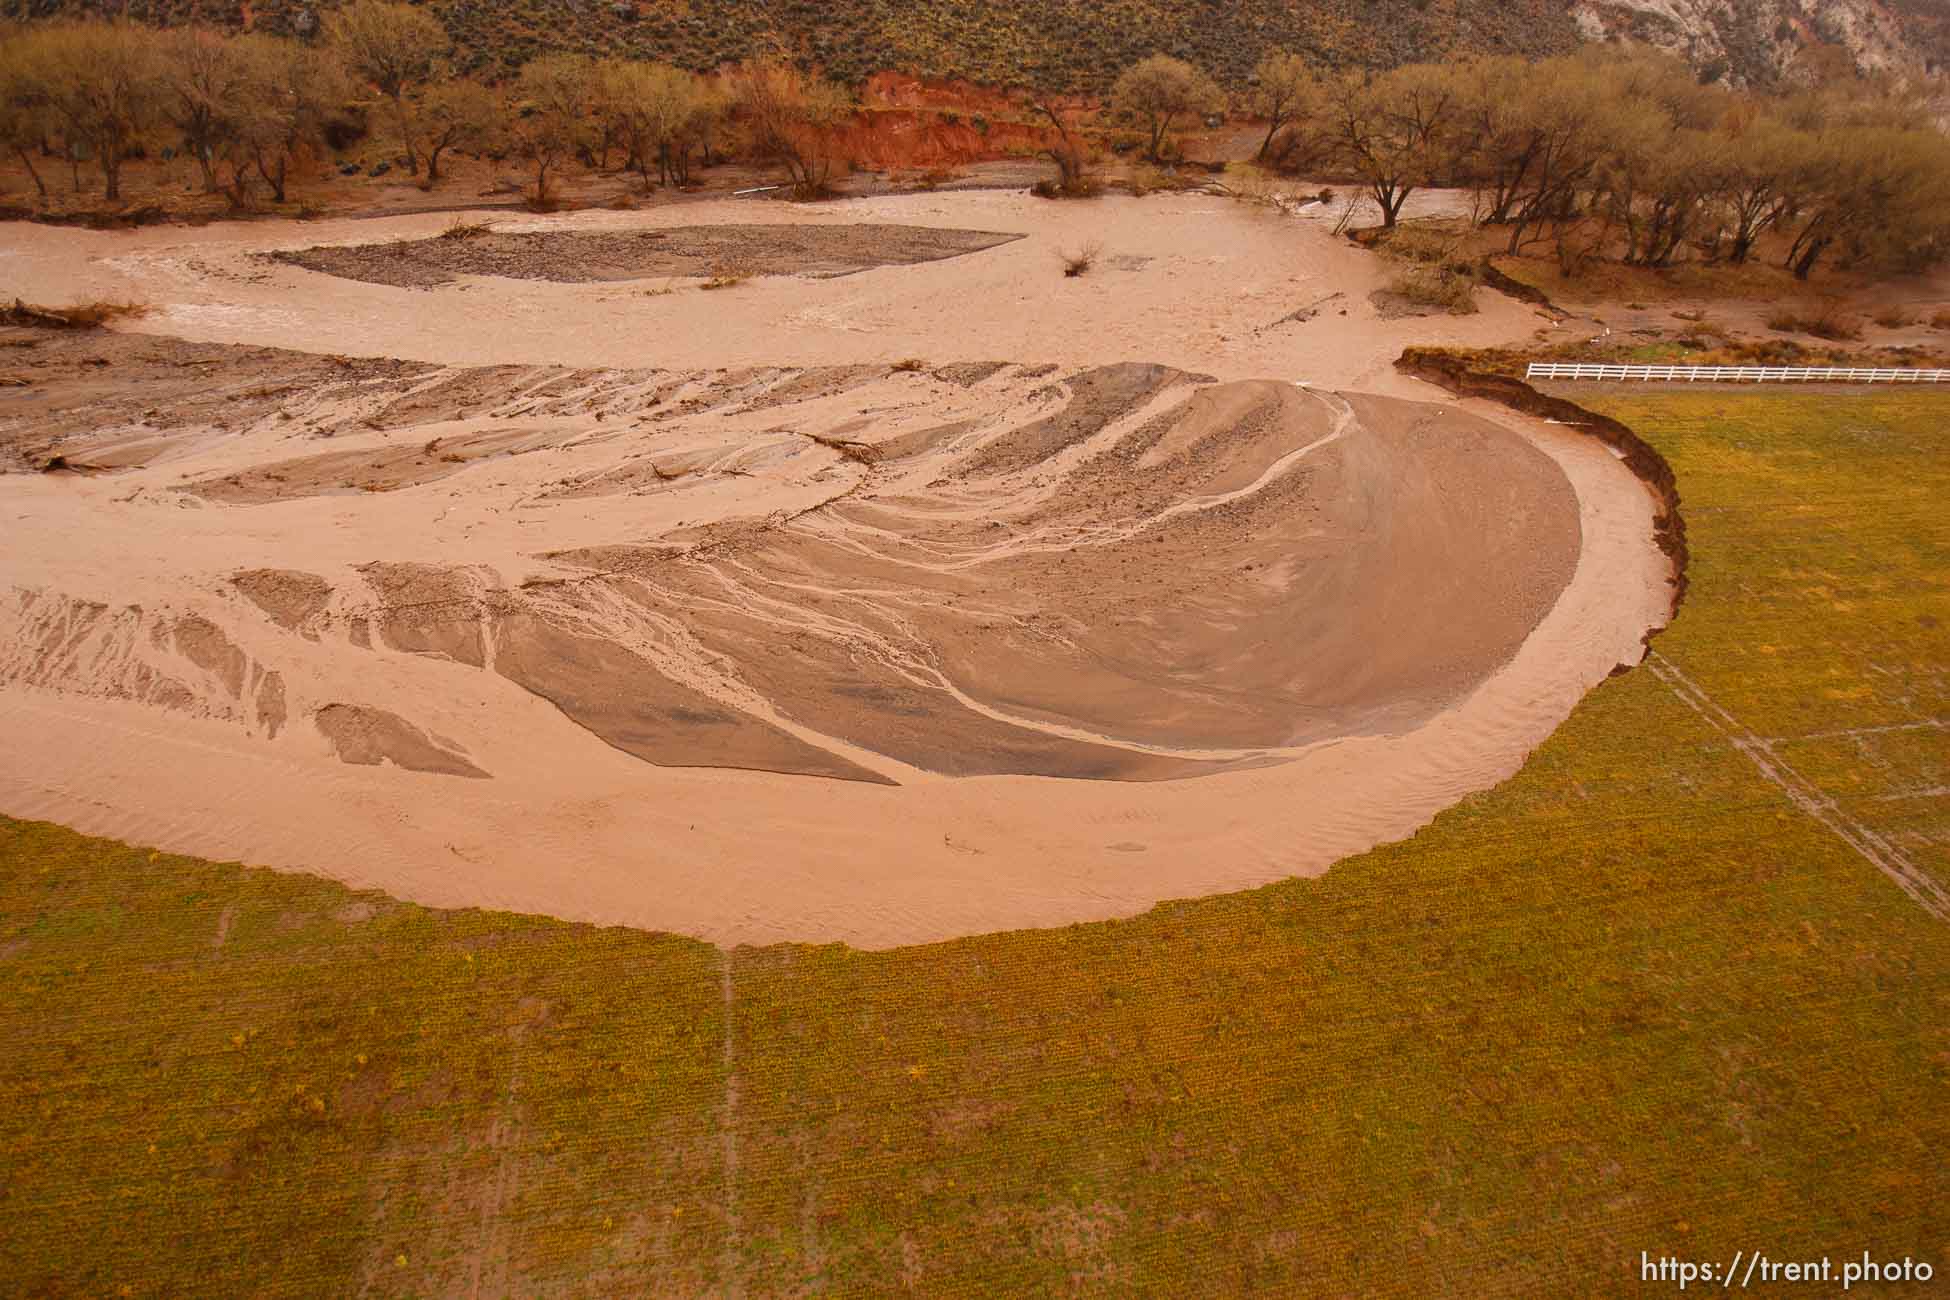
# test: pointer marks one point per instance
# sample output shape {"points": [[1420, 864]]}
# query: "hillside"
{"points": [[1756, 40], [1079, 43], [1082, 45]]}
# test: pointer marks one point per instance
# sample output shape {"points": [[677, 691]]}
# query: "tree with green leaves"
{"points": [[1500, 135], [1657, 181], [1564, 122]]}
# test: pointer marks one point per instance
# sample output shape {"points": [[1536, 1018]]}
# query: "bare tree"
{"points": [[205, 87], [1284, 90], [455, 114], [1754, 179], [791, 118], [552, 122], [103, 83], [24, 115], [662, 114], [1398, 131], [1068, 151], [395, 48], [1160, 91], [292, 89]]}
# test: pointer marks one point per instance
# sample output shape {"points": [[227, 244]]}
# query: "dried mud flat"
{"points": [[587, 257], [864, 651], [1126, 572]]}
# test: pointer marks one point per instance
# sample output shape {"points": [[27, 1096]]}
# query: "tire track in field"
{"points": [[1884, 856], [728, 1138]]}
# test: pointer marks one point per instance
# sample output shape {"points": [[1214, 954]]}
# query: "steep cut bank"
{"points": [[1454, 373]]}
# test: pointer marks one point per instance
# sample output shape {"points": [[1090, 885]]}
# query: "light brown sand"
{"points": [[807, 648], [1190, 281]]}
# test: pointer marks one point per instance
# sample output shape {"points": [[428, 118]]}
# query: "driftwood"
{"points": [[86, 317], [1300, 314]]}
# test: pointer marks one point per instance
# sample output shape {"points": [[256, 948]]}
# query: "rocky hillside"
{"points": [[1081, 44], [1754, 41]]}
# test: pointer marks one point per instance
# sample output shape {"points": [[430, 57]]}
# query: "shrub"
{"points": [[1084, 188], [462, 228], [82, 316], [1894, 318], [1437, 286], [726, 275], [1940, 321], [1703, 333], [1828, 323], [1425, 246], [1075, 263]]}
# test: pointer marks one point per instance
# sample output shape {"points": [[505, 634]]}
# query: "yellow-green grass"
{"points": [[1635, 999]]}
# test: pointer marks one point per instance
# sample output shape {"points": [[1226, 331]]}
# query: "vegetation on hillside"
{"points": [[1002, 42], [1009, 41], [1638, 998]]}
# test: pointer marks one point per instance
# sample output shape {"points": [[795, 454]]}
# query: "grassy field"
{"points": [[1642, 997]]}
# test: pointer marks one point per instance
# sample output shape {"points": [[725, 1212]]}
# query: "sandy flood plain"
{"points": [[708, 612]]}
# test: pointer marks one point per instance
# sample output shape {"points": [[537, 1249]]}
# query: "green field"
{"points": [[1652, 994]]}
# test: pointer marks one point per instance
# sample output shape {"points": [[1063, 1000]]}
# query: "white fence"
{"points": [[1738, 374]]}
